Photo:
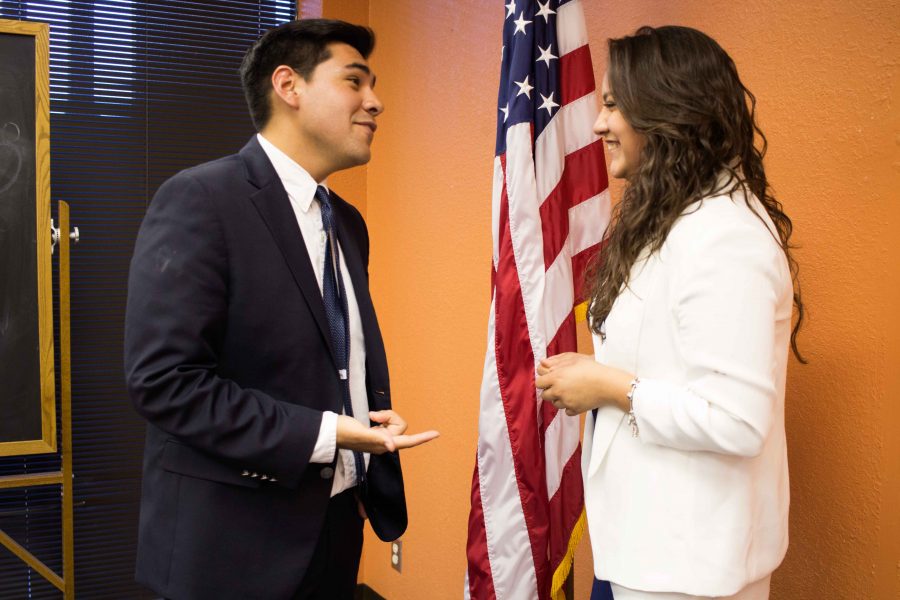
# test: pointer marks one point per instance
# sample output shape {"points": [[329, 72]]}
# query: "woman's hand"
{"points": [[577, 383]]}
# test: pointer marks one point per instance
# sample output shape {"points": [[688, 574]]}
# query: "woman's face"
{"points": [[623, 143]]}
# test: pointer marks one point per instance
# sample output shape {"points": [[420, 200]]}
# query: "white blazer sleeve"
{"points": [[728, 280]]}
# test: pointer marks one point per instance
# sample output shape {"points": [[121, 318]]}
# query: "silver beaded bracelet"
{"points": [[632, 420]]}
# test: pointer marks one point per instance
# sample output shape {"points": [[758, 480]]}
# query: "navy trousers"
{"points": [[601, 590], [332, 573]]}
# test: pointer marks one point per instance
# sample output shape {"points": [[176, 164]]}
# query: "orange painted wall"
{"points": [[826, 77]]}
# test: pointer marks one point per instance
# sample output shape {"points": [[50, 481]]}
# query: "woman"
{"points": [[684, 462]]}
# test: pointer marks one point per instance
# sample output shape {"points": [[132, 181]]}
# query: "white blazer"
{"points": [[698, 502]]}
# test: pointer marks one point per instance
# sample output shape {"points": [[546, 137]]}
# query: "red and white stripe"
{"points": [[550, 210]]}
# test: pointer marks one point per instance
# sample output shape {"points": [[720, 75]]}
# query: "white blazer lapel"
{"points": [[630, 310], [604, 429], [599, 431]]}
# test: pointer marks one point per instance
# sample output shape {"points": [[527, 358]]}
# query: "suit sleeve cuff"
{"points": [[326, 442]]}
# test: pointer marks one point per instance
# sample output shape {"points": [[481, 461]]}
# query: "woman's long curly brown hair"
{"points": [[681, 91]]}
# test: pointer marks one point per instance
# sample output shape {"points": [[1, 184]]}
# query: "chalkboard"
{"points": [[27, 402]]}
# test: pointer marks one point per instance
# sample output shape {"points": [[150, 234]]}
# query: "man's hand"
{"points": [[388, 436]]}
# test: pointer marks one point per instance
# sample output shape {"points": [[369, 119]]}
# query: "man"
{"points": [[251, 340]]}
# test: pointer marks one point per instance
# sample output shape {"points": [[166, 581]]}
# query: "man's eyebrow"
{"points": [[360, 66]]}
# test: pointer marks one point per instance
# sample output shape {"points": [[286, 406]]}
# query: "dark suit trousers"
{"points": [[333, 570]]}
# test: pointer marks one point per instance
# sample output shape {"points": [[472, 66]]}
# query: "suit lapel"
{"points": [[271, 201]]}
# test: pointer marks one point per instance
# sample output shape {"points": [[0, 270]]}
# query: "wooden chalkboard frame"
{"points": [[47, 441]]}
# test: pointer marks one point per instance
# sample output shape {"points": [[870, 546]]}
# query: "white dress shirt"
{"points": [[301, 189]]}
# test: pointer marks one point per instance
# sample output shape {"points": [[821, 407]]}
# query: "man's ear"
{"points": [[287, 85]]}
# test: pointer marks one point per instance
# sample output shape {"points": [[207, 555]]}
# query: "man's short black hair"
{"points": [[301, 45]]}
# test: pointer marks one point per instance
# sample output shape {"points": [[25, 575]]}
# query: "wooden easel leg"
{"points": [[68, 534]]}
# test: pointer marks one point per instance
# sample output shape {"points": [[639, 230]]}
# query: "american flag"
{"points": [[550, 209]]}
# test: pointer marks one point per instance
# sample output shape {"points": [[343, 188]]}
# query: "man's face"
{"points": [[338, 107]]}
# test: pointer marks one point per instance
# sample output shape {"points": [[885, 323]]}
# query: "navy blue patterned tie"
{"points": [[336, 311]]}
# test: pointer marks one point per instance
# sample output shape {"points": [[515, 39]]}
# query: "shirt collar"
{"points": [[298, 183]]}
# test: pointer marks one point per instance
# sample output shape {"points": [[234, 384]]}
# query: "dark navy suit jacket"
{"points": [[228, 357]]}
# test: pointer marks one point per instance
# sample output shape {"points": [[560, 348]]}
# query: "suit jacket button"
{"points": [[327, 473]]}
